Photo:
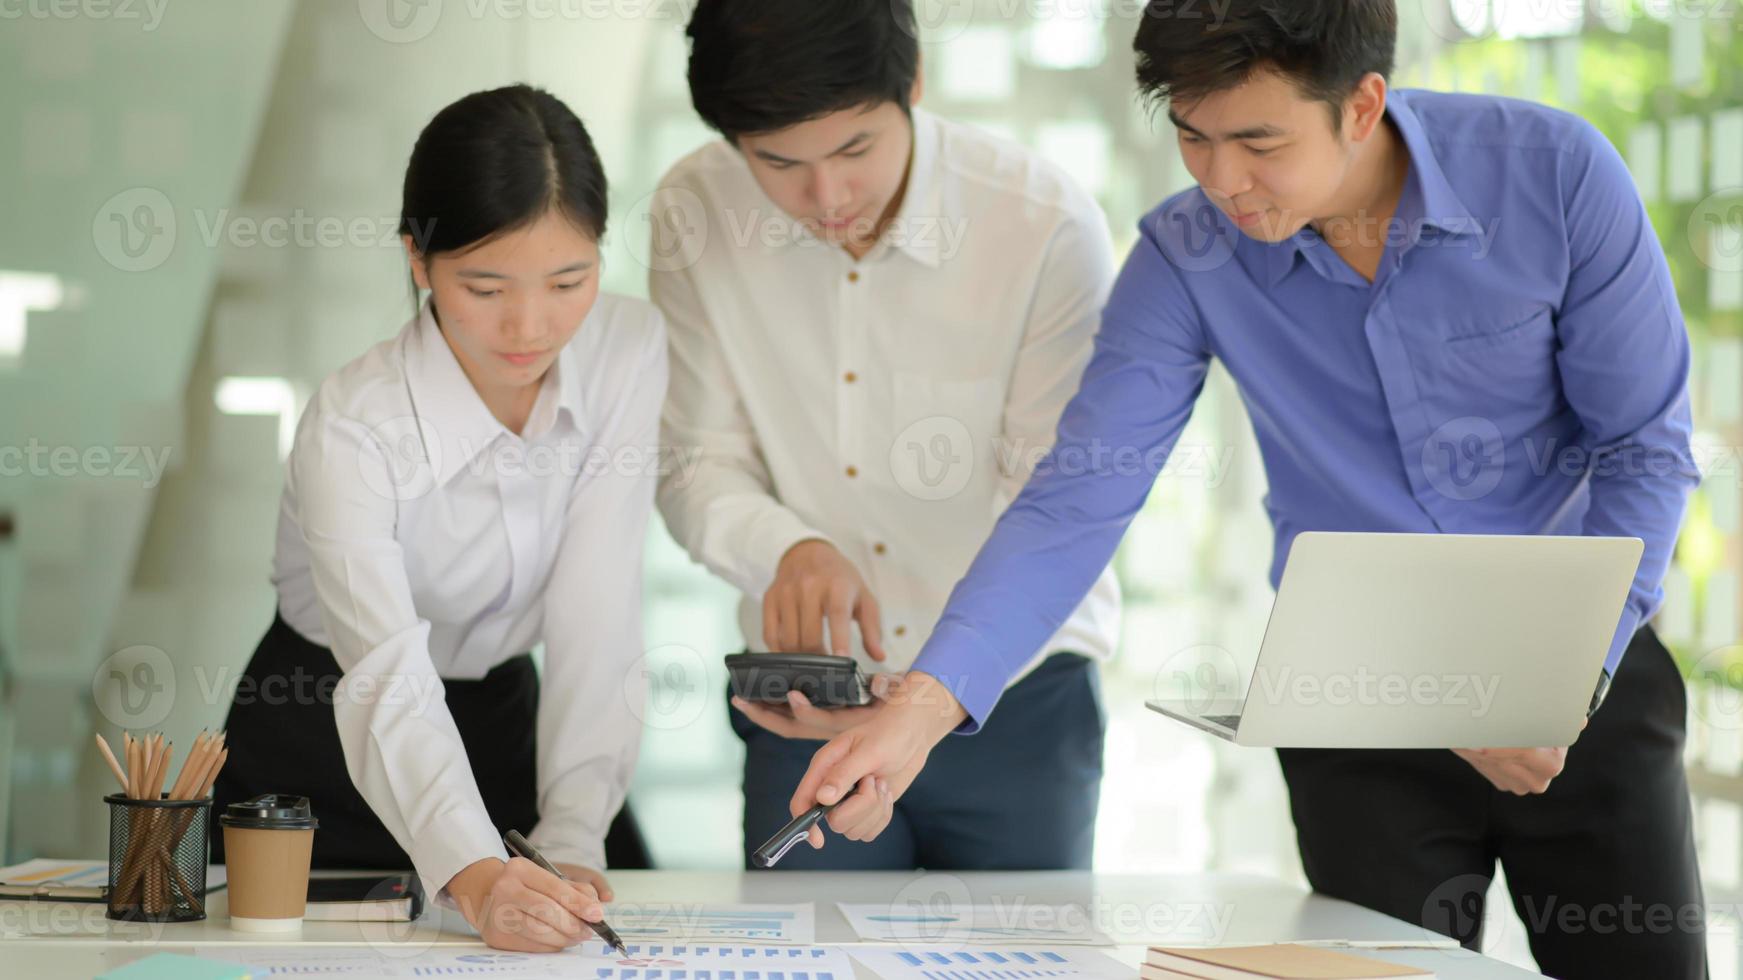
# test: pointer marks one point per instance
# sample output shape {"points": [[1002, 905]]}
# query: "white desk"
{"points": [[44, 940]]}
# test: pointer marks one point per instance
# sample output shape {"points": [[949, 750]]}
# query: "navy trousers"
{"points": [[1020, 794]]}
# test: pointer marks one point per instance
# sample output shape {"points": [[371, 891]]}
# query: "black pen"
{"points": [[776, 847], [524, 848]]}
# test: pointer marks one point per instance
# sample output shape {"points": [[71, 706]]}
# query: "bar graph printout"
{"points": [[592, 960], [982, 963]]}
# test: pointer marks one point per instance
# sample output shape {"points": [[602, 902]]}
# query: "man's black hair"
{"points": [[758, 66]]}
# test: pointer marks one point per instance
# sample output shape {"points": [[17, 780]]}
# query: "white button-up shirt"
{"points": [[419, 539], [894, 405]]}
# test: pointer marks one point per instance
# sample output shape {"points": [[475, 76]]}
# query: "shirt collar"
{"points": [[920, 202], [454, 421], [1428, 199], [1438, 204]]}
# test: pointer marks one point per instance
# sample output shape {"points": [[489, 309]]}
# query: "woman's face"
{"points": [[509, 306]]}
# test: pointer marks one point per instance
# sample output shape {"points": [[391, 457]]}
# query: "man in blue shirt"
{"points": [[1444, 313]]}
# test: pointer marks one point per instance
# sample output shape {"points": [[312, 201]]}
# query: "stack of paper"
{"points": [[1277, 962]]}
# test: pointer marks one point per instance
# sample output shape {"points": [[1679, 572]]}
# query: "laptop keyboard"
{"points": [[1230, 722]]}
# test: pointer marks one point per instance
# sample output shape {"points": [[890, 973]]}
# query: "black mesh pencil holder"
{"points": [[157, 858]]}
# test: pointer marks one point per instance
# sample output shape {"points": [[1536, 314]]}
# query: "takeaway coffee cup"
{"points": [[267, 844]]}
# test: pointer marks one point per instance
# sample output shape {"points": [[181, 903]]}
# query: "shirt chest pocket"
{"points": [[1475, 332], [944, 433], [976, 403], [1488, 361]]}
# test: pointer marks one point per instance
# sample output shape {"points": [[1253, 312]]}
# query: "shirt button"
{"points": [[879, 548], [901, 631], [852, 471], [850, 377], [853, 276]]}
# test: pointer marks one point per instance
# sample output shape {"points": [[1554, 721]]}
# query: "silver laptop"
{"points": [[1428, 641]]}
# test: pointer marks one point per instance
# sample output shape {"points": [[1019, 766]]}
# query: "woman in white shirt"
{"points": [[472, 487]]}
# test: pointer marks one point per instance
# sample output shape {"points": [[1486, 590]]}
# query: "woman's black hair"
{"points": [[494, 162]]}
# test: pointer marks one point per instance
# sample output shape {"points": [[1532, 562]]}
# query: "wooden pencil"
{"points": [[190, 766], [109, 759], [134, 754]]}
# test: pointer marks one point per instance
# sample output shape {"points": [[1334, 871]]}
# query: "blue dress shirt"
{"points": [[1518, 365]]}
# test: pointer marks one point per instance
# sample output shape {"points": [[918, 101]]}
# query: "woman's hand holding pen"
{"points": [[521, 907], [880, 757]]}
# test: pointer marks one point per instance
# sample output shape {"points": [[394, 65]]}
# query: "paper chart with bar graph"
{"points": [[592, 960], [951, 922], [1014, 963], [672, 921]]}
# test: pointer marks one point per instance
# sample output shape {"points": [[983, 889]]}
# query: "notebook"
{"points": [[395, 897], [1282, 961], [59, 880]]}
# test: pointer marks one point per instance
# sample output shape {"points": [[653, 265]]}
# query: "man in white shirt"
{"points": [[876, 317]]}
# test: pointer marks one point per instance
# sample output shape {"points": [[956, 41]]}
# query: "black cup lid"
{"points": [[270, 811]]}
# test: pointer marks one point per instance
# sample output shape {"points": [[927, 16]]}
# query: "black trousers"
{"points": [[1601, 867], [283, 739]]}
